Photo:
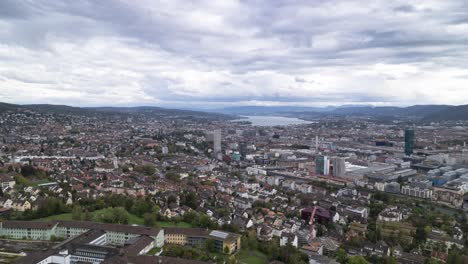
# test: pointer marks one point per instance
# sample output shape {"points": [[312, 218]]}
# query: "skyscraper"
{"points": [[319, 162], [339, 167], [322, 165], [409, 141], [217, 141], [326, 166]]}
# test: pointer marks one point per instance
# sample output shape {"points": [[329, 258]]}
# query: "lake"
{"points": [[273, 120]]}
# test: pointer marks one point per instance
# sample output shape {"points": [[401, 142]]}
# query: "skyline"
{"points": [[229, 53]]}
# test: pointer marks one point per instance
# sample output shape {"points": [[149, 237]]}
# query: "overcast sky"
{"points": [[225, 53]]}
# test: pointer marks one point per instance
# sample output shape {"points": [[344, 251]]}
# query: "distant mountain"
{"points": [[422, 112], [411, 111], [452, 113], [147, 110], [269, 110], [7, 107], [159, 111]]}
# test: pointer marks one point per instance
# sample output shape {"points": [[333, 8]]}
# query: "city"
{"points": [[84, 185], [233, 132]]}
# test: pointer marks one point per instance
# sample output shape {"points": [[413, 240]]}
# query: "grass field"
{"points": [[66, 216], [132, 219], [153, 251], [172, 224], [36, 183], [251, 257]]}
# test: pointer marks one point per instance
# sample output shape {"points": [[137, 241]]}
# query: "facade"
{"points": [[322, 165], [392, 214], [116, 235], [6, 181], [217, 141], [409, 141], [198, 236], [448, 196], [339, 167], [392, 187], [417, 192], [91, 247]]}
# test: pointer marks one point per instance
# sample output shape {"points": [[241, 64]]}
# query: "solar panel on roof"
{"points": [[219, 234]]}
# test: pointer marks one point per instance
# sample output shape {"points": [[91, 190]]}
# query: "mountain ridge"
{"points": [[422, 112]]}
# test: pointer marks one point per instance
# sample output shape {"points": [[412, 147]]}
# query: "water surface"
{"points": [[273, 120]]}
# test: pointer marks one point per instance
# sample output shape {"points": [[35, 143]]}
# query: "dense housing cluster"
{"points": [[151, 186]]}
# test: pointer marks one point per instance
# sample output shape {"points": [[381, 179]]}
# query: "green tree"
{"points": [[341, 256], [141, 206], [421, 234], [190, 199], [147, 169], [357, 260], [209, 245], [22, 181], [116, 215], [172, 176], [391, 260], [149, 219], [77, 212], [87, 216], [226, 250]]}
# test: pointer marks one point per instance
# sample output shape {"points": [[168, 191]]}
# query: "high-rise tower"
{"points": [[409, 141], [339, 167], [217, 141]]}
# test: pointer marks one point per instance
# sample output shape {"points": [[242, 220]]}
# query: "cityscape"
{"points": [[233, 132]]}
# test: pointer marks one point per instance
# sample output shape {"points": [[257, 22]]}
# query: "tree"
{"points": [[171, 199], [421, 234], [21, 180], [147, 169], [378, 233], [149, 219], [172, 176], [431, 261], [190, 200], [141, 206], [357, 260], [87, 216], [391, 260], [209, 245], [226, 250], [341, 256], [77, 213], [27, 170], [116, 215]]}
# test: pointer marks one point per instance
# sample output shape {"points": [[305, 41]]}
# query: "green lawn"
{"points": [[251, 257], [36, 183], [135, 220], [132, 219], [66, 216], [172, 224], [153, 251]]}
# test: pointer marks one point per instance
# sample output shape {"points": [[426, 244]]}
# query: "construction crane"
{"points": [[311, 223]]}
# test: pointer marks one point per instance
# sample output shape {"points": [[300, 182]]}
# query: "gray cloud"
{"points": [[265, 52]]}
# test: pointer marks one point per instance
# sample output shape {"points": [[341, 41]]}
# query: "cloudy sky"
{"points": [[183, 53]]}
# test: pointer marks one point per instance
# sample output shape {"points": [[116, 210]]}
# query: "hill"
{"points": [[421, 112], [139, 110], [418, 111], [269, 110], [452, 113]]}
